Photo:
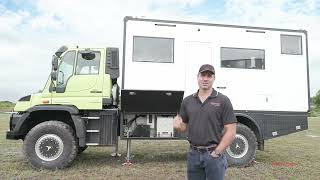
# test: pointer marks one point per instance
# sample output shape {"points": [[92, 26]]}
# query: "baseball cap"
{"points": [[206, 67]]}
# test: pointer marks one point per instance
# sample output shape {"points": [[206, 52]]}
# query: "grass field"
{"points": [[296, 156], [6, 106]]}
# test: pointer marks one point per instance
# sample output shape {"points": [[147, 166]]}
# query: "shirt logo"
{"points": [[215, 104]]}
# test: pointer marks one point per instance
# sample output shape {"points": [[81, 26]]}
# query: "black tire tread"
{"points": [[56, 124], [252, 144]]}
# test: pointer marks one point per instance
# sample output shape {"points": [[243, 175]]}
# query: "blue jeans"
{"points": [[202, 166]]}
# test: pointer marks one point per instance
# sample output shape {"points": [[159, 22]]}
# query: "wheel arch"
{"points": [[41, 113], [253, 125]]}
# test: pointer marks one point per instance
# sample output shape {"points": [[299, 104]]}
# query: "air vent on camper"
{"points": [[255, 31], [169, 25]]}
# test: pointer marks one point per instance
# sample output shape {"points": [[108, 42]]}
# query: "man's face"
{"points": [[205, 80]]}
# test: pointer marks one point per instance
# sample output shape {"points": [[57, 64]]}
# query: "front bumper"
{"points": [[10, 135], [14, 118]]}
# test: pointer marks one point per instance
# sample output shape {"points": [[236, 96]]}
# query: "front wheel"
{"points": [[243, 149], [50, 145]]}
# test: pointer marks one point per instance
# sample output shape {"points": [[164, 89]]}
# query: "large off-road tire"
{"points": [[50, 145], [243, 149]]}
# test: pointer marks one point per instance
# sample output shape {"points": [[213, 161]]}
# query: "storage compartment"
{"points": [[102, 129], [150, 126], [141, 131], [141, 101], [108, 127], [165, 126]]}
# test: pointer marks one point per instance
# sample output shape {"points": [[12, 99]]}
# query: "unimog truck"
{"points": [[77, 107], [264, 72]]}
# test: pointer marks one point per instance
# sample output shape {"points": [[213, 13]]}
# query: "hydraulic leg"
{"points": [[128, 161]]}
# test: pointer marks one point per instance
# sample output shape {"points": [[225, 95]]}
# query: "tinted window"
{"points": [[291, 44], [88, 66], [153, 49], [242, 58]]}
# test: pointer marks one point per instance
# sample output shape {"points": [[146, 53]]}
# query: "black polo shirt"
{"points": [[206, 120]]}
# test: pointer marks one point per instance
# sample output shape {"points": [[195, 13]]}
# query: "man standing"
{"points": [[208, 116]]}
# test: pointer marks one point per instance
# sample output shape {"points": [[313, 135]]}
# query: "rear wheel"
{"points": [[243, 149], [50, 145]]}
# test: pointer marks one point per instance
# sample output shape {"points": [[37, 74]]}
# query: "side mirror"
{"points": [[54, 62], [54, 75], [61, 50]]}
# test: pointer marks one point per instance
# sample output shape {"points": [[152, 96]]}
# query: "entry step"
{"points": [[90, 117], [92, 144], [93, 131]]}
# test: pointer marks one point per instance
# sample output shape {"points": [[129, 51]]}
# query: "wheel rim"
{"points": [[49, 147], [239, 147]]}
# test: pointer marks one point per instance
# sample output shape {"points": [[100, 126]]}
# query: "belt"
{"points": [[203, 149]]}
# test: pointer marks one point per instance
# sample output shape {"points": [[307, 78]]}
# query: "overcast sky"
{"points": [[31, 30]]}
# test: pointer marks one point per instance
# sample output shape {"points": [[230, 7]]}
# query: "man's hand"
{"points": [[178, 124], [227, 138], [215, 154]]}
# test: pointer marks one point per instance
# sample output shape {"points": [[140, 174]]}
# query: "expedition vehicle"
{"points": [[264, 71]]}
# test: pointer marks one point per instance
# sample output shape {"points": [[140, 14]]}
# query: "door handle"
{"points": [[95, 91]]}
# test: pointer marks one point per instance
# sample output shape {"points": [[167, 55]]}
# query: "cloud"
{"points": [[29, 36], [290, 14], [31, 32], [177, 2], [265, 12]]}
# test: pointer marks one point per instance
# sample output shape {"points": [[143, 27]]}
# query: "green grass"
{"points": [[296, 156], [315, 111], [6, 106]]}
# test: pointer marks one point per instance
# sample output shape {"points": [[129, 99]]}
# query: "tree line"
{"points": [[315, 106], [316, 100]]}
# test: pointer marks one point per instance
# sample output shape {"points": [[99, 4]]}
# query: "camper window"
{"points": [[291, 44], [85, 66], [242, 58], [153, 49]]}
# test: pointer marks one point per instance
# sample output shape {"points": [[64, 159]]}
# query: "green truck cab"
{"points": [[77, 107]]}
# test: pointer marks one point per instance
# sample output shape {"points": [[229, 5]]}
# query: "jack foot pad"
{"points": [[127, 163]]}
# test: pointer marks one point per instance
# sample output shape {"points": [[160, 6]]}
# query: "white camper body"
{"points": [[264, 72], [279, 84]]}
